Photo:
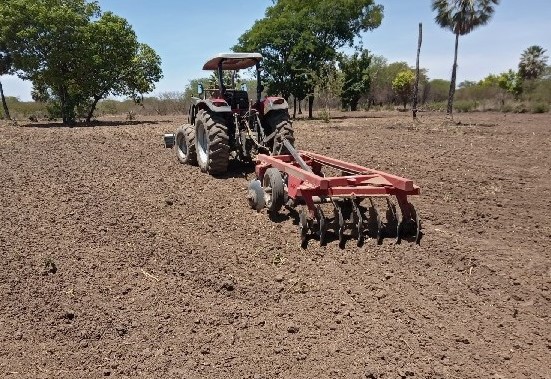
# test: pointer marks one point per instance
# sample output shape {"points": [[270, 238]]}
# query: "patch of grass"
{"points": [[539, 107]]}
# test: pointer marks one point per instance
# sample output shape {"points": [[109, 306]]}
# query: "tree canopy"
{"points": [[297, 37], [356, 81], [74, 54], [403, 86], [533, 62]]}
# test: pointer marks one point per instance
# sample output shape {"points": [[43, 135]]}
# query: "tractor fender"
{"points": [[214, 105], [272, 103]]}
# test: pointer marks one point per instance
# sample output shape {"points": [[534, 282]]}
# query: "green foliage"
{"points": [[25, 109], [465, 105], [538, 91], [533, 63], [298, 37], [75, 55], [437, 90], [540, 107], [328, 83], [356, 80], [403, 86], [382, 74]]}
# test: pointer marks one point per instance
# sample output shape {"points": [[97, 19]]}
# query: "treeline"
{"points": [[385, 90]]}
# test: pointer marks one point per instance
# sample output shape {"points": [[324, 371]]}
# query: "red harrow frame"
{"points": [[297, 179]]}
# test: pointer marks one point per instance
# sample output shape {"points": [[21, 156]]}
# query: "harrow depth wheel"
{"points": [[274, 191]]}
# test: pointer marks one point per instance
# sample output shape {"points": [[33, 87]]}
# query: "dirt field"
{"points": [[119, 261]]}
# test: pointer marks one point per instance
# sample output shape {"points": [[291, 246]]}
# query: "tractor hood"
{"points": [[233, 61]]}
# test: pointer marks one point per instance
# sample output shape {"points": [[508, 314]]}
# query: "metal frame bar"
{"points": [[350, 185]]}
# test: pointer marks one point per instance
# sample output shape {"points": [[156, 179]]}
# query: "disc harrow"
{"points": [[297, 180]]}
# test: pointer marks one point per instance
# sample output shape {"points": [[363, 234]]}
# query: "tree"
{"points": [[355, 70], [533, 62], [461, 17], [5, 67], [511, 82], [382, 74], [297, 37], [117, 63], [75, 55], [403, 86]]}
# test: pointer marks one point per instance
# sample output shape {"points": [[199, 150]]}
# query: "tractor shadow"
{"points": [[237, 169]]}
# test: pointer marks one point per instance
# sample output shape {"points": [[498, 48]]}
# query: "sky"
{"points": [[186, 33]]}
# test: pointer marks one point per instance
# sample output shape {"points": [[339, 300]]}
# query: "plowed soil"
{"points": [[118, 261]]}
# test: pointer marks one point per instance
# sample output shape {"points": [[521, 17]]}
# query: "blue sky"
{"points": [[186, 33]]}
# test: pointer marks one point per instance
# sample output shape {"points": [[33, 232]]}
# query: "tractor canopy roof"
{"points": [[233, 61]]}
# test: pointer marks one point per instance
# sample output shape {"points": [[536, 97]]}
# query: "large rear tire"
{"points": [[211, 142], [279, 121], [185, 144]]}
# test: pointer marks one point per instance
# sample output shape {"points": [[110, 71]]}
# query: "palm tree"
{"points": [[461, 17], [532, 63]]}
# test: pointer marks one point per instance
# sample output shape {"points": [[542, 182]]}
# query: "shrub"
{"points": [[465, 105], [539, 107]]}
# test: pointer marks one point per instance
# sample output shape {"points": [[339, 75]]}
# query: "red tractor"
{"points": [[224, 123]]}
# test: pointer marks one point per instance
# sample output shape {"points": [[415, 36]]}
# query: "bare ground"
{"points": [[118, 261]]}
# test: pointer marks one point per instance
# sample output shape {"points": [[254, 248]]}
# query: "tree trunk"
{"points": [[454, 75], [354, 104], [310, 106], [93, 108], [416, 87], [299, 107], [294, 107], [4, 104]]}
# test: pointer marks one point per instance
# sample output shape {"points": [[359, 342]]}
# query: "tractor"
{"points": [[223, 123]]}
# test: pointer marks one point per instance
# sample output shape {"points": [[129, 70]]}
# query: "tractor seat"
{"points": [[237, 99]]}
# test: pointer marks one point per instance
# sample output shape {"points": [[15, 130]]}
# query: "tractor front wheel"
{"points": [[211, 142]]}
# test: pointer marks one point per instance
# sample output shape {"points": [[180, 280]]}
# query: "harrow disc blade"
{"points": [[359, 223], [303, 228], [374, 212], [255, 195], [418, 227], [322, 224], [339, 219]]}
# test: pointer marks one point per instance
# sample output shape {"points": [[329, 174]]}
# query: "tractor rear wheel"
{"points": [[278, 121], [185, 144], [211, 142]]}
